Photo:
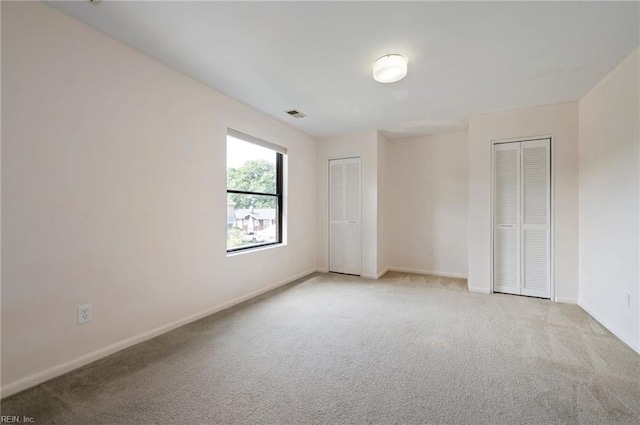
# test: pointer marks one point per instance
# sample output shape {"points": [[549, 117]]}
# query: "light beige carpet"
{"points": [[333, 349]]}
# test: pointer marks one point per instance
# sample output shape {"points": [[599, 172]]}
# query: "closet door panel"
{"points": [[345, 237], [536, 218], [506, 240], [337, 248], [506, 268], [535, 263], [336, 216], [353, 255]]}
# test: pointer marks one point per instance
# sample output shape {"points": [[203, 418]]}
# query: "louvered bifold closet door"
{"points": [[506, 208], [337, 227], [536, 217], [352, 216]]}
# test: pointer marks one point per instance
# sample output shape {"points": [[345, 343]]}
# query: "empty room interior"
{"points": [[320, 212]]}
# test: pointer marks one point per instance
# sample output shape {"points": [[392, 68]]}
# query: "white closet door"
{"points": [[344, 216], [536, 217], [506, 238], [337, 226], [352, 216]]}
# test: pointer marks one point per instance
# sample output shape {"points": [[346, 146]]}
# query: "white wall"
{"points": [[609, 201], [113, 172], [363, 144], [428, 204], [561, 121]]}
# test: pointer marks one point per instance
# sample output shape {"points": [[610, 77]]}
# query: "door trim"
{"points": [[551, 137]]}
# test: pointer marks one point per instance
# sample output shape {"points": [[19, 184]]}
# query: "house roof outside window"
{"points": [[256, 213]]}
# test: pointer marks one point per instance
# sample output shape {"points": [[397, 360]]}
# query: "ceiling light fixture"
{"points": [[390, 68]]}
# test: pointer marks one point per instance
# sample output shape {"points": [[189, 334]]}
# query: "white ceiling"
{"points": [[464, 58]]}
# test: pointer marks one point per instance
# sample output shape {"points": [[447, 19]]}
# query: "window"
{"points": [[254, 192]]}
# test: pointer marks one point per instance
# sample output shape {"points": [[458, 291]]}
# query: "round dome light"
{"points": [[390, 68]]}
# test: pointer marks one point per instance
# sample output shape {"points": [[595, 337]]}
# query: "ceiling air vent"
{"points": [[296, 114]]}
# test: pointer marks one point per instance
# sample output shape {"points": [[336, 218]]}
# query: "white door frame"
{"points": [[551, 137], [328, 234]]}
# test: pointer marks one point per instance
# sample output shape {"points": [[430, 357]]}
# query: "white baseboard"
{"points": [[382, 272], [430, 272], [319, 270], [477, 290], [566, 300], [613, 329], [47, 374]]}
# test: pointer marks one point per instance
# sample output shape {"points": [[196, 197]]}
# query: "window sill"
{"points": [[256, 249]]}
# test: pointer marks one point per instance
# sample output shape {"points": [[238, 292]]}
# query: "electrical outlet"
{"points": [[627, 299], [84, 314]]}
